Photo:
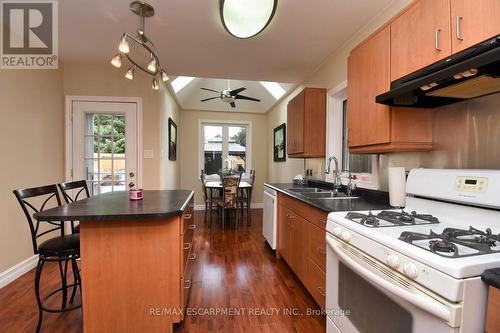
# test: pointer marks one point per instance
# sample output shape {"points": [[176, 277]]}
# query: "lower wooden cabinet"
{"points": [[302, 244], [492, 319], [188, 254]]}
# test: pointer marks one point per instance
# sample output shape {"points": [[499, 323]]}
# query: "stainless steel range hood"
{"points": [[471, 73]]}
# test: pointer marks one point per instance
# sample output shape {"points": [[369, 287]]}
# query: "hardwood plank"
{"points": [[235, 268]]}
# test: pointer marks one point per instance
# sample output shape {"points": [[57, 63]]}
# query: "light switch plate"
{"points": [[148, 153]]}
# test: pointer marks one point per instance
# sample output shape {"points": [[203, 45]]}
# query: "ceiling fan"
{"points": [[229, 96]]}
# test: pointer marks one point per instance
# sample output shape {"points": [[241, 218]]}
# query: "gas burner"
{"points": [[437, 245], [369, 220], [457, 242], [404, 218]]}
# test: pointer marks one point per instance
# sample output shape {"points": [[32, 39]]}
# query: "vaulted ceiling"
{"points": [[191, 40]]}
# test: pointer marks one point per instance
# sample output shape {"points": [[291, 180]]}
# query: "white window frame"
{"points": [[335, 107], [225, 124]]}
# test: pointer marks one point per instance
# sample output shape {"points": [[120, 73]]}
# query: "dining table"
{"points": [[213, 186]]}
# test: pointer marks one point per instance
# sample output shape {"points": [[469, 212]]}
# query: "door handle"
{"points": [[131, 174], [437, 34], [131, 184], [459, 28]]}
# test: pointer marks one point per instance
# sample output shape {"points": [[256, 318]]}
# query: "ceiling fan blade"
{"points": [[207, 99], [233, 104], [210, 90], [247, 98], [237, 91]]}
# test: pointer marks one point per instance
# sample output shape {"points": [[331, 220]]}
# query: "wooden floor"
{"points": [[238, 286]]}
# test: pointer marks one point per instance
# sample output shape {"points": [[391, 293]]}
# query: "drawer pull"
{"points": [[322, 222], [290, 216], [187, 246], [188, 217], [320, 291], [192, 226], [193, 256], [321, 250], [187, 284]]}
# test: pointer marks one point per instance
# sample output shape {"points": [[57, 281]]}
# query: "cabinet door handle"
{"points": [[438, 33], [192, 226], [459, 28], [320, 291], [188, 217], [193, 256], [321, 250], [187, 284], [187, 246]]}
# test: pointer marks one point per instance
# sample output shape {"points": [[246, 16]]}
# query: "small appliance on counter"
{"points": [[420, 266], [397, 184]]}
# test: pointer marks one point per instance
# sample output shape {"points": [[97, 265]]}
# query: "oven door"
{"points": [[366, 296]]}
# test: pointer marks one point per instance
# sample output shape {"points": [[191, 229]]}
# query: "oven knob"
{"points": [[411, 270], [393, 260], [346, 236], [337, 231]]}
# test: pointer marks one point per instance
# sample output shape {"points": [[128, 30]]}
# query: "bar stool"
{"points": [[61, 249], [80, 187]]}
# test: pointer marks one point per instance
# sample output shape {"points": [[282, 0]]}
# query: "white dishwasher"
{"points": [[270, 216]]}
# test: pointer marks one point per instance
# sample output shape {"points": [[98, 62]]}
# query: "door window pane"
{"points": [[105, 152], [212, 152], [237, 148]]}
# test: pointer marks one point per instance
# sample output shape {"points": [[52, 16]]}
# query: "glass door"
{"points": [[104, 145]]}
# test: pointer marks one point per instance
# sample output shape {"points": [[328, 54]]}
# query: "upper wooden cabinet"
{"points": [[420, 36], [378, 128], [306, 118], [473, 22]]}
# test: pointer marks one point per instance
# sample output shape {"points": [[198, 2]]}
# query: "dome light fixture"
{"points": [[128, 42], [244, 19]]}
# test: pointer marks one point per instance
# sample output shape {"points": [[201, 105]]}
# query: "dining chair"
{"points": [[230, 197], [63, 249], [245, 198], [211, 200], [78, 187]]}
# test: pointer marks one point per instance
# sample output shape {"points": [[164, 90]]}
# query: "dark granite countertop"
{"points": [[369, 200], [492, 277], [118, 206]]}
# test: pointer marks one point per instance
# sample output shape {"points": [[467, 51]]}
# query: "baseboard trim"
{"points": [[255, 205], [11, 274]]}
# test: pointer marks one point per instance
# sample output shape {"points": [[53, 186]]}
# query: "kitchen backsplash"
{"points": [[466, 136]]}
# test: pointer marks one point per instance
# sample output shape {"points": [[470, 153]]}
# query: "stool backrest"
{"points": [[80, 186], [46, 194]]}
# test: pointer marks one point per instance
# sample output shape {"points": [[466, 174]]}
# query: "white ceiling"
{"points": [[189, 97], [191, 40]]}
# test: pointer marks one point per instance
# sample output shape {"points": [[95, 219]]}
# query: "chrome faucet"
{"points": [[336, 182]]}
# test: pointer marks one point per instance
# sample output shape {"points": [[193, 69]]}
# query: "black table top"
{"points": [[339, 205], [118, 206]]}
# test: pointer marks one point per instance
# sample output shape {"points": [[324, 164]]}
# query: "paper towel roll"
{"points": [[397, 186]]}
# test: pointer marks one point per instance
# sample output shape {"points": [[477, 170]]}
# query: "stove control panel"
{"points": [[471, 184]]}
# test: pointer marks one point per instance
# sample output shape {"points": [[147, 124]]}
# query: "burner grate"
{"points": [[393, 218], [483, 242]]}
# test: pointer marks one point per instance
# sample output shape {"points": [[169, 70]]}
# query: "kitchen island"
{"points": [[135, 258]]}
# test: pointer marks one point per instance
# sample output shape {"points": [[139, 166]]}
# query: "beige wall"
{"points": [[329, 75], [105, 80], [32, 127], [189, 148], [32, 146]]}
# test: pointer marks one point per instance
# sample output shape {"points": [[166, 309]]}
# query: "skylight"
{"points": [[180, 82], [274, 88]]}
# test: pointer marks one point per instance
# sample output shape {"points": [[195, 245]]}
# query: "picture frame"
{"points": [[279, 143], [172, 140]]}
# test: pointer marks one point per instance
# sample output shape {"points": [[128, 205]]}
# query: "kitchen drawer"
{"points": [[314, 215], [317, 246], [187, 280], [316, 283], [188, 217]]}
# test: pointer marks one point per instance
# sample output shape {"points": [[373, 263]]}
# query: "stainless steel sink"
{"points": [[328, 196], [308, 190]]}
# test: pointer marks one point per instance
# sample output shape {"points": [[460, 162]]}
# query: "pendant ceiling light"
{"points": [[128, 43], [246, 18]]}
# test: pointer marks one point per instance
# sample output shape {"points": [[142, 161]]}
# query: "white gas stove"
{"points": [[430, 254]]}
